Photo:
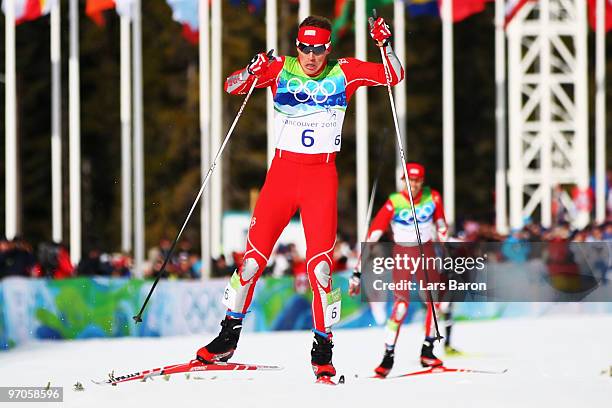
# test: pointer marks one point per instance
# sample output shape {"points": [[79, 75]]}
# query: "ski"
{"points": [[442, 369], [191, 366]]}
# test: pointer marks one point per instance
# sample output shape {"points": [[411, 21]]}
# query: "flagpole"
{"points": [[399, 45], [362, 121], [204, 51], [501, 210], [448, 113], [303, 10], [600, 112], [139, 227], [216, 123], [10, 126], [74, 107], [126, 134], [56, 124], [271, 43]]}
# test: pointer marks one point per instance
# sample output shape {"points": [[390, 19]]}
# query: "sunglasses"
{"points": [[315, 49]]}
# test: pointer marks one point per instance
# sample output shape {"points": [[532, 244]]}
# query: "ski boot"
{"points": [[321, 358], [428, 359], [451, 351], [223, 346], [387, 363]]}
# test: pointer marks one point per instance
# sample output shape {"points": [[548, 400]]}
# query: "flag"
{"points": [[593, 15], [95, 8], [462, 9], [27, 10], [191, 35], [186, 13], [512, 8], [342, 18], [418, 8], [376, 4], [343, 15], [254, 6]]}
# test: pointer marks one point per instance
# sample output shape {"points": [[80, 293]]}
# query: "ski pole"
{"points": [[403, 157], [138, 317], [381, 164]]}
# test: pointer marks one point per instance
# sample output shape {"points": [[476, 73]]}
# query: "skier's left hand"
{"points": [[355, 283], [380, 32], [442, 230]]}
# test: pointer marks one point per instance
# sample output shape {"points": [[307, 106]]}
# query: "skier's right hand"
{"points": [[259, 64], [355, 283]]}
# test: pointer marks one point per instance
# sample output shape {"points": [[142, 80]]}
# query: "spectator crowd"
{"points": [[52, 260]]}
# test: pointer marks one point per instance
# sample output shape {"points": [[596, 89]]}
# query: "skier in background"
{"points": [[397, 213]]}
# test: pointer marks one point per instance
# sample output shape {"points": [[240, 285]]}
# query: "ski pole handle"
{"points": [[373, 18]]}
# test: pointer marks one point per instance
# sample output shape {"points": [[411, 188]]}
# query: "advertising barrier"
{"points": [[103, 307]]}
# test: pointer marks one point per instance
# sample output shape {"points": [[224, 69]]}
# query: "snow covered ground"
{"points": [[552, 362]]}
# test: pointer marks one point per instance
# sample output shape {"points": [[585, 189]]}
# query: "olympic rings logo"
{"points": [[319, 92], [423, 213]]}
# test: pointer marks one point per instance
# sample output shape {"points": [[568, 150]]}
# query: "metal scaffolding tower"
{"points": [[548, 109]]}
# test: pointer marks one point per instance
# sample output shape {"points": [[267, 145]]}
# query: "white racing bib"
{"points": [[334, 307], [319, 132]]}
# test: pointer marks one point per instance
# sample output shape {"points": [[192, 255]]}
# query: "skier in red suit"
{"points": [[310, 94], [397, 213]]}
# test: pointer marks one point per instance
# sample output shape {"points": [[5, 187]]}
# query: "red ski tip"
{"points": [[191, 366]]}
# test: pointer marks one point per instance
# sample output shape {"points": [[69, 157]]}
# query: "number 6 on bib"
{"points": [[229, 293], [307, 140], [333, 309]]}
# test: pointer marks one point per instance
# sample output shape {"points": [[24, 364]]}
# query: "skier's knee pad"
{"points": [[399, 312], [444, 307], [322, 272], [248, 270]]}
